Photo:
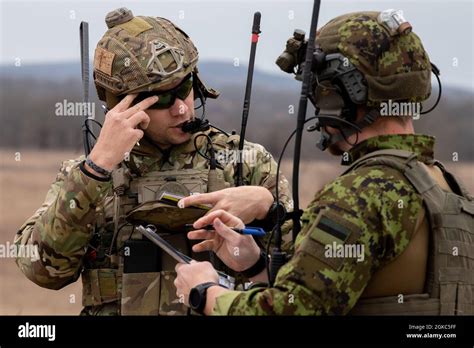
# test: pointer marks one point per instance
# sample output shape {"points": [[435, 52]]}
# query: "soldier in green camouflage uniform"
{"points": [[87, 216], [407, 221]]}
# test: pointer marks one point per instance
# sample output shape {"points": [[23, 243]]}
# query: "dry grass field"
{"points": [[23, 185]]}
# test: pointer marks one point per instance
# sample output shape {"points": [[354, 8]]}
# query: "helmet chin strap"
{"points": [[345, 127]]}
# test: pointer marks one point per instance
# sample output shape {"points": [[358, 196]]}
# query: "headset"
{"points": [[338, 87]]}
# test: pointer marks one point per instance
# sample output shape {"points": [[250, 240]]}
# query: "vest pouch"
{"points": [[99, 286], [456, 296], [141, 278]]}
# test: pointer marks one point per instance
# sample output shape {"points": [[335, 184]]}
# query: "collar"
{"points": [[419, 144]]}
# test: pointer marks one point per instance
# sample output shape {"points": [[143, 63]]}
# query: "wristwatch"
{"points": [[197, 296]]}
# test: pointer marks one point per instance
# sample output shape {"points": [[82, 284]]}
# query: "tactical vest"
{"points": [[449, 286], [137, 275]]}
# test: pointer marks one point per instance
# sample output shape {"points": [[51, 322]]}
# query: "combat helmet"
{"points": [[361, 58], [142, 54], [383, 47]]}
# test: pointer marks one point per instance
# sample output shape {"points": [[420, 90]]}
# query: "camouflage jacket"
{"points": [[358, 208], [63, 227]]}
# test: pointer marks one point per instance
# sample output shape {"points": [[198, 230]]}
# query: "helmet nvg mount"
{"points": [[362, 58], [143, 54]]}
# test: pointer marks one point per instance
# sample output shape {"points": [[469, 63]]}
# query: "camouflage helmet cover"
{"points": [[140, 53], [395, 66]]}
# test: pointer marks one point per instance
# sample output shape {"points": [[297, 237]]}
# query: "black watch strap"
{"points": [[98, 169], [258, 267], [277, 213]]}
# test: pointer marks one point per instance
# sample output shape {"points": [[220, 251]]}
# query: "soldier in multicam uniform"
{"points": [[410, 217], [85, 226]]}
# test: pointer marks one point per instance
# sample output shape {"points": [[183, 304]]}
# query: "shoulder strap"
{"points": [[370, 159], [404, 161], [454, 183]]}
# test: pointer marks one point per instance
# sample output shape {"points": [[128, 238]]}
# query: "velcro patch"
{"points": [[103, 60], [135, 26], [331, 231], [328, 231]]}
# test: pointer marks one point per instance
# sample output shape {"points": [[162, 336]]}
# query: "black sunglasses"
{"points": [[168, 98]]}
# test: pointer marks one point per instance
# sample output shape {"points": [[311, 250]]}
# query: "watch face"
{"points": [[194, 298]]}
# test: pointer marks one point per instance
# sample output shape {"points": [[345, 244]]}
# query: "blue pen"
{"points": [[253, 231], [249, 230]]}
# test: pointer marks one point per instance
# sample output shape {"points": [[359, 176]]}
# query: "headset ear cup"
{"points": [[349, 111], [204, 91], [199, 94]]}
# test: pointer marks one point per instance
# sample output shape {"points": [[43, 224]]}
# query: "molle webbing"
{"points": [[99, 286]]}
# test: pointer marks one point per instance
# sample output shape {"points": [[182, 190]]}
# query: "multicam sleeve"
{"points": [[261, 169], [60, 230], [360, 214]]}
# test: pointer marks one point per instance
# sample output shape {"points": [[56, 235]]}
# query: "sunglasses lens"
{"points": [[166, 101], [184, 90], [168, 98]]}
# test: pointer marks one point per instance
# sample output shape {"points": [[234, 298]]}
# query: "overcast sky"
{"points": [[47, 31]]}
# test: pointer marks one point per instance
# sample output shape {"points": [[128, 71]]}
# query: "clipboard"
{"points": [[150, 233]]}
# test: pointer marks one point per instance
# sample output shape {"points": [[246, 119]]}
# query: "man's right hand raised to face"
{"points": [[122, 128]]}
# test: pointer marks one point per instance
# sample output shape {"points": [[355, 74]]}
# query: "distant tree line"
{"points": [[29, 119]]}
